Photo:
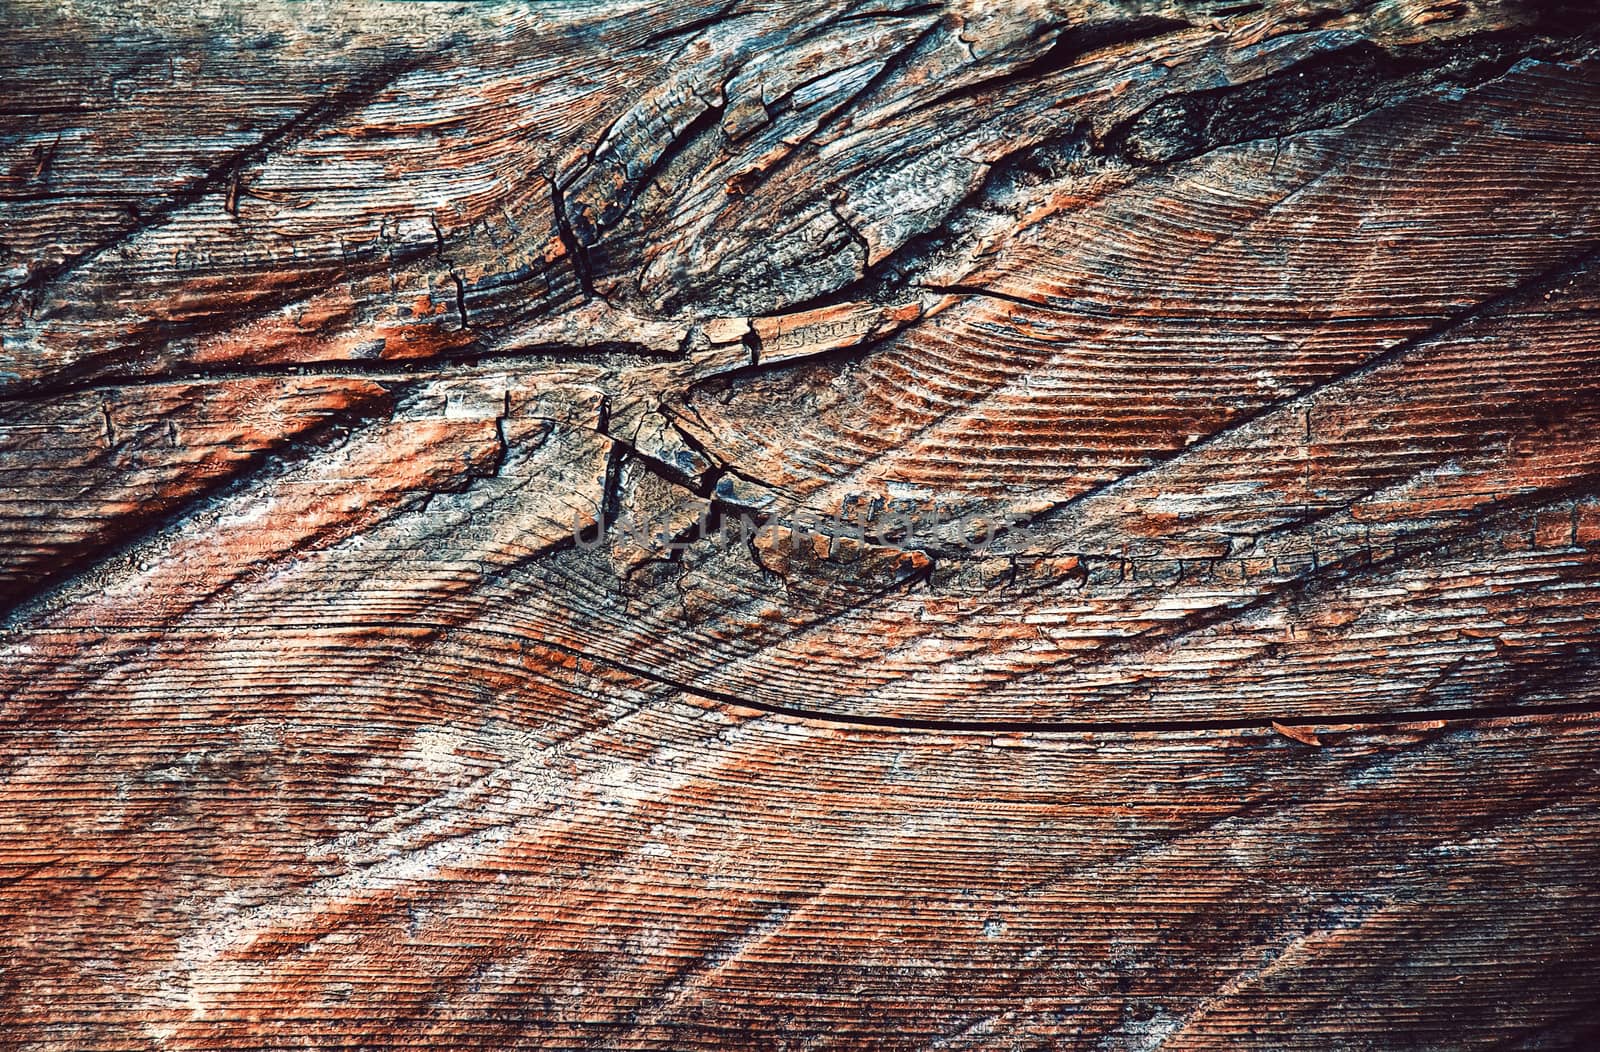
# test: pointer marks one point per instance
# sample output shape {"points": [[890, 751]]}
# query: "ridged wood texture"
{"points": [[385, 391]]}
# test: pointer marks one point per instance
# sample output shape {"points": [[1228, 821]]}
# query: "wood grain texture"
{"points": [[1044, 524]]}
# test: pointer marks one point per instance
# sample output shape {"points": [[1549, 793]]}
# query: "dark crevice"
{"points": [[853, 234], [708, 120], [1262, 724], [461, 299], [585, 229], [576, 252], [721, 14], [876, 14], [503, 449], [1320, 721], [700, 487], [1072, 42], [611, 491], [986, 293], [1320, 92]]}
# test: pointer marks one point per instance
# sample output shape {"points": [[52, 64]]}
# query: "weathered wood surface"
{"points": [[342, 350]]}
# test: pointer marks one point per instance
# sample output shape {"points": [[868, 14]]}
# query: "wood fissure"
{"points": [[966, 525]]}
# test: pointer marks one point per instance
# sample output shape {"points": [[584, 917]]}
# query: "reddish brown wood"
{"points": [[467, 558]]}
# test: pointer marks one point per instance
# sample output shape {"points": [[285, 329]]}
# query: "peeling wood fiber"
{"points": [[1042, 524]]}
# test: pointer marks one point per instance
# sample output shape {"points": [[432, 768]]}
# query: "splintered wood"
{"points": [[1035, 524]]}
